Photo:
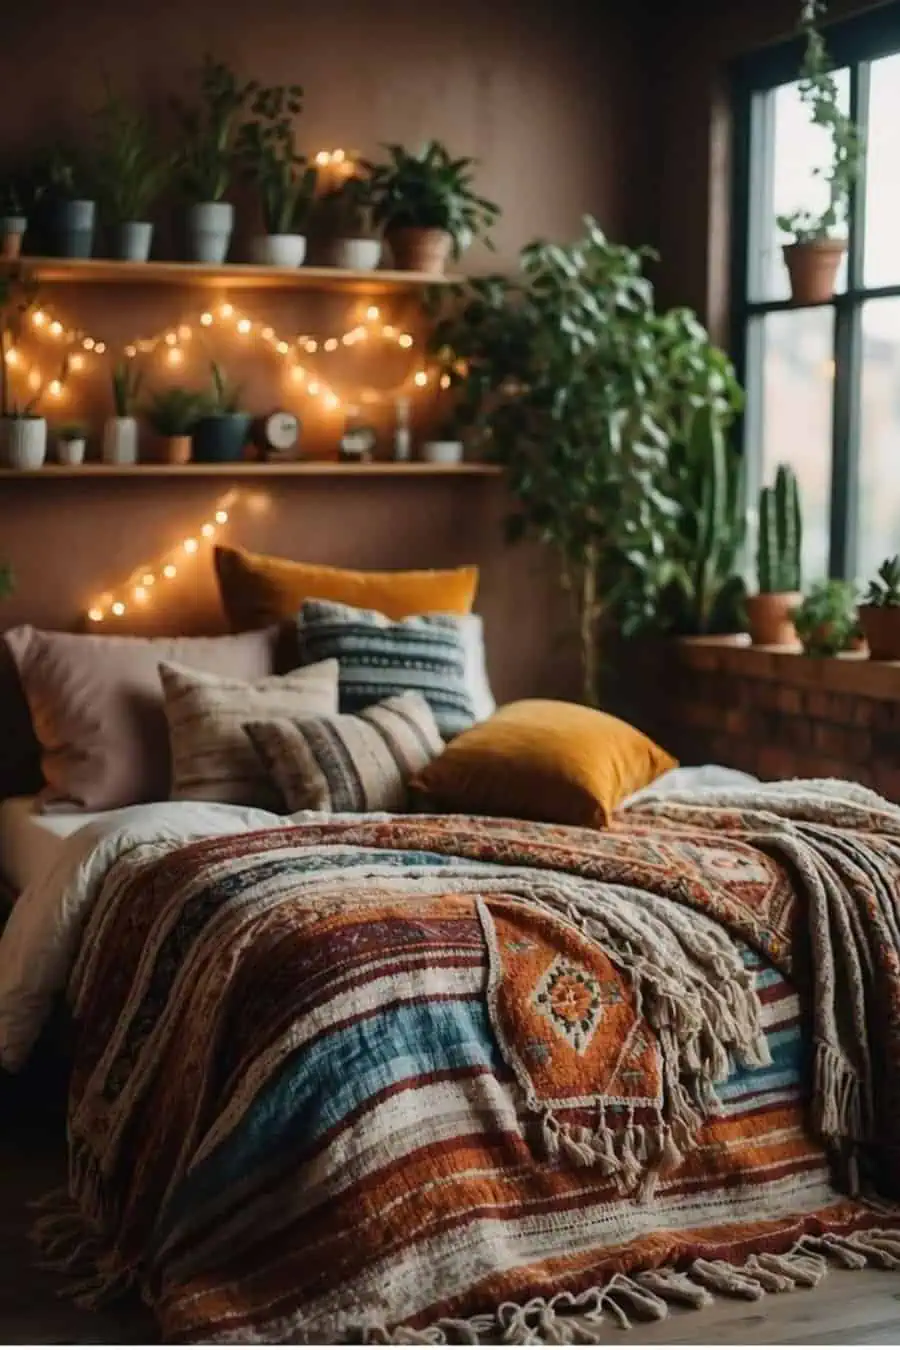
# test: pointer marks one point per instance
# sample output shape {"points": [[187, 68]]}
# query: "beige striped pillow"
{"points": [[350, 763], [212, 759]]}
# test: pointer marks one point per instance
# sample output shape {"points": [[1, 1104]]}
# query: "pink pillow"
{"points": [[97, 707]]}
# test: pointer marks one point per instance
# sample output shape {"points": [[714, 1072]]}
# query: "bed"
{"points": [[398, 1078]]}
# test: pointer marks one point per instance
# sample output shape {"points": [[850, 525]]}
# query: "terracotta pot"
{"points": [[812, 268], [416, 250], [881, 625], [770, 621], [714, 639], [173, 450]]}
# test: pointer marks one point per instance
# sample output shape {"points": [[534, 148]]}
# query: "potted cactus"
{"points": [[879, 613], [778, 563], [120, 434]]}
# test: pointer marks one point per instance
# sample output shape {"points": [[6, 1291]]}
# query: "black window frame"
{"points": [[855, 43]]}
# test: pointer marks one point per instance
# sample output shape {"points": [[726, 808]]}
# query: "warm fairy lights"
{"points": [[137, 590]]}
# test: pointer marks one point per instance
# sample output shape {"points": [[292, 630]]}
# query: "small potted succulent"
{"points": [[445, 446], [428, 207], [13, 219], [879, 612], [71, 443], [267, 151], [350, 237], [221, 431], [71, 214], [121, 432], [205, 161], [826, 621], [172, 414], [818, 238], [23, 432], [778, 563], [129, 173]]}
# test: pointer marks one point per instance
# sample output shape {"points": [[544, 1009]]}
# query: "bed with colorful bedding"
{"points": [[445, 1078]]}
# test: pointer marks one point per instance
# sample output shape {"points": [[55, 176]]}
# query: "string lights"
{"points": [[137, 591]]}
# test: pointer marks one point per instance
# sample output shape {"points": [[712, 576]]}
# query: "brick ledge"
{"points": [[849, 673]]}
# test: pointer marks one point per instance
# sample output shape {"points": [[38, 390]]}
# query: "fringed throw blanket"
{"points": [[471, 1079]]}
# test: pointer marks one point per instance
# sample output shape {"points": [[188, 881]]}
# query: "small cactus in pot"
{"points": [[778, 562], [879, 612]]}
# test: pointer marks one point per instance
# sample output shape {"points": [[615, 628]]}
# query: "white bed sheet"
{"points": [[30, 841]]}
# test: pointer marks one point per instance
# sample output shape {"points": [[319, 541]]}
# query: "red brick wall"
{"points": [[776, 714]]}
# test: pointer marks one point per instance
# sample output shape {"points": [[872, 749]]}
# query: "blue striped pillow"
{"points": [[380, 657]]}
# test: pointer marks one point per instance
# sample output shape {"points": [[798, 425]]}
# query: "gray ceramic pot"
{"points": [[132, 240], [209, 231], [75, 229]]}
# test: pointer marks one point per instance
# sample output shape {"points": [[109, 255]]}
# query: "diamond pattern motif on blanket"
{"points": [[571, 999]]}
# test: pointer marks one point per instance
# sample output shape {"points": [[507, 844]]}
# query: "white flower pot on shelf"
{"points": [[71, 451], [209, 231], [23, 442], [353, 255], [12, 231], [278, 250], [442, 452], [132, 240], [120, 440]]}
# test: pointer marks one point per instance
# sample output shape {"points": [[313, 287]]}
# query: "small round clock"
{"points": [[279, 433]]}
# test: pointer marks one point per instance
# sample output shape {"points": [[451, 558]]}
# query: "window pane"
{"points": [[882, 259], [879, 454], [797, 154], [797, 355]]}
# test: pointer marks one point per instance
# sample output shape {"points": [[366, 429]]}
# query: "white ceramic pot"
{"points": [[23, 441], [209, 231], [12, 231], [278, 250], [354, 255], [71, 452], [442, 452], [132, 240], [120, 440]]}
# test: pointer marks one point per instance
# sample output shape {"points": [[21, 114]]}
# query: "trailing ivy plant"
{"points": [[820, 94], [588, 397]]}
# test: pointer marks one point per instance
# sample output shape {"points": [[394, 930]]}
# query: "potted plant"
{"points": [[13, 220], [23, 433], [429, 207], [818, 238], [571, 379], [826, 620], [266, 148], [879, 613], [778, 555], [70, 213], [71, 443], [205, 161], [121, 433], [220, 432], [445, 446], [172, 414], [129, 173], [350, 237]]}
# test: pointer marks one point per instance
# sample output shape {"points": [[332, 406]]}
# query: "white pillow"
{"points": [[476, 667]]}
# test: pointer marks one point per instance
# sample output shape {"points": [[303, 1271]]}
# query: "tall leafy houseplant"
{"points": [[582, 391], [266, 148], [429, 207], [206, 159], [130, 172], [819, 240]]}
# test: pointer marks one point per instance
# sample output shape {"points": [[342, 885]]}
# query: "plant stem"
{"points": [[4, 391], [590, 613]]}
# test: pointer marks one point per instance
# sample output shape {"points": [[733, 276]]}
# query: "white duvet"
{"points": [[40, 942]]}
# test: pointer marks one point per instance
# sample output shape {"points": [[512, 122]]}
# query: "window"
{"points": [[823, 382]]}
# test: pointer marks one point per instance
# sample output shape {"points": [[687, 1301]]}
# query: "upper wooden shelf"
{"points": [[260, 469], [229, 276]]}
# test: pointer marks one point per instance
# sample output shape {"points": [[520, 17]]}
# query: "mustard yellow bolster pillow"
{"points": [[543, 760], [258, 590]]}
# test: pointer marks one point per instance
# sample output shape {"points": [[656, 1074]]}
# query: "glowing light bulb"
{"points": [[445, 381], [313, 387], [323, 158], [331, 345], [118, 609], [420, 378], [282, 349], [140, 594], [207, 530], [226, 310], [267, 334], [372, 313], [312, 345], [54, 389], [331, 400], [39, 318], [389, 331], [12, 357], [131, 351], [174, 356], [99, 348], [348, 339], [298, 374], [95, 614], [405, 340], [206, 319], [76, 362], [88, 344], [190, 546], [34, 379], [171, 339], [170, 571], [184, 332], [56, 328], [221, 517], [244, 326], [338, 157], [148, 579]]}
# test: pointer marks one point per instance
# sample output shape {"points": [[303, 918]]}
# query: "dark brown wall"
{"points": [[551, 98]]}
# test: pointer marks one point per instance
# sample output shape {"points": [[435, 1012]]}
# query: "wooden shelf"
{"points": [[248, 469], [229, 276]]}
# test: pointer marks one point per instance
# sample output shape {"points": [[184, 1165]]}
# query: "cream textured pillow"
{"points": [[212, 758], [347, 763]]}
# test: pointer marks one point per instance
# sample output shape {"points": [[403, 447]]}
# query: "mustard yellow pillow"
{"points": [[258, 591], [544, 760]]}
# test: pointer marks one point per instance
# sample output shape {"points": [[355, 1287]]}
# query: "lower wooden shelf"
{"points": [[249, 469]]}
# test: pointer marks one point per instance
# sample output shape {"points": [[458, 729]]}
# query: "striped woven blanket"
{"points": [[439, 1078]]}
